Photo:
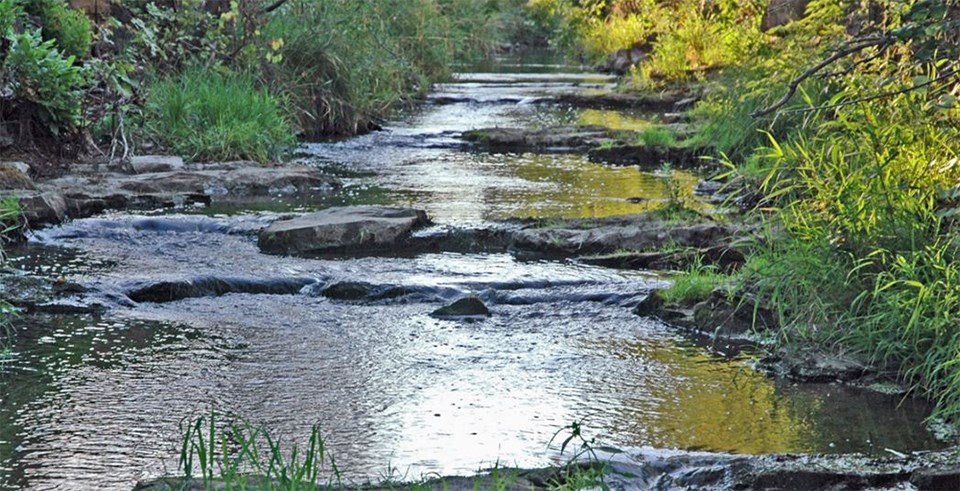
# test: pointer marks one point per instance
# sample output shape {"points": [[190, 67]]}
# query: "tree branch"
{"points": [[273, 6], [840, 54], [949, 74]]}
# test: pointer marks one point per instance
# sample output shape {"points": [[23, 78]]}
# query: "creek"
{"points": [[94, 402]]}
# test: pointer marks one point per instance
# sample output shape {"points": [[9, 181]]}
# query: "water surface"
{"points": [[95, 403]]}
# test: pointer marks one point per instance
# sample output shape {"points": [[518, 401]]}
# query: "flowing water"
{"points": [[94, 402]]}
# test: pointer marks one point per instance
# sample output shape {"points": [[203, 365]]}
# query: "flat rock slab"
{"points": [[554, 139], [83, 195], [640, 234], [345, 229]]}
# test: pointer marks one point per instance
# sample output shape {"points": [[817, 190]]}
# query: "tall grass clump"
{"points": [[244, 456], [216, 115], [868, 258], [11, 221], [344, 64]]}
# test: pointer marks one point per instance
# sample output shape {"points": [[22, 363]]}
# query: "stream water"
{"points": [[94, 402]]}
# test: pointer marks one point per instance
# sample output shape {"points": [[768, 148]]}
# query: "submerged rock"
{"points": [[347, 290], [35, 294], [812, 365], [172, 290], [342, 229], [467, 307]]}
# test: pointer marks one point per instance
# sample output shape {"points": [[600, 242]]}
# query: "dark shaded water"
{"points": [[90, 403]]}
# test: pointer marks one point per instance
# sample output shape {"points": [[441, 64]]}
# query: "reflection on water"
{"points": [[725, 406], [95, 404], [617, 120], [470, 188]]}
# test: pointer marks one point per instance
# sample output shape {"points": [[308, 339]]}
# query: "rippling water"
{"points": [[94, 403]]}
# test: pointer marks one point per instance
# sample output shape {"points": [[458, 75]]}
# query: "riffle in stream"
{"points": [[89, 402]]}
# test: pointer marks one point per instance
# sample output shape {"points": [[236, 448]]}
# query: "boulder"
{"points": [[465, 308], [43, 208], [22, 167], [351, 229]]}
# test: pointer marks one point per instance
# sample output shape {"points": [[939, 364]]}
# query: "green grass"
{"points": [[218, 454], [216, 115], [694, 285], [657, 136]]}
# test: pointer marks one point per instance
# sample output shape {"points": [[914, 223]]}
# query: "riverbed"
{"points": [[94, 401]]}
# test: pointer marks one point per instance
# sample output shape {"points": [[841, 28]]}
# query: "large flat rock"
{"points": [[633, 233], [352, 228], [84, 194]]}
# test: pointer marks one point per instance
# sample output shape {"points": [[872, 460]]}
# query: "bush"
{"points": [[216, 115], [46, 84], [70, 28]]}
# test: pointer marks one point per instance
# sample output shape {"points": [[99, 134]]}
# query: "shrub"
{"points": [[70, 28], [216, 115], [46, 84]]}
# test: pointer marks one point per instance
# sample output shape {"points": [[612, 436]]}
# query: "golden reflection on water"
{"points": [[695, 401], [570, 186], [726, 406], [615, 120]]}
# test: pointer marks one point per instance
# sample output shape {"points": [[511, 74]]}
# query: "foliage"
{"points": [[209, 115], [700, 36], [344, 64], [11, 221], [656, 135], [216, 454], [70, 29], [577, 474], [684, 38], [861, 247], [45, 83]]}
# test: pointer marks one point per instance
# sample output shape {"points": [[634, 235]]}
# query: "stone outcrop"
{"points": [[636, 232], [555, 139], [154, 182], [344, 229]]}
